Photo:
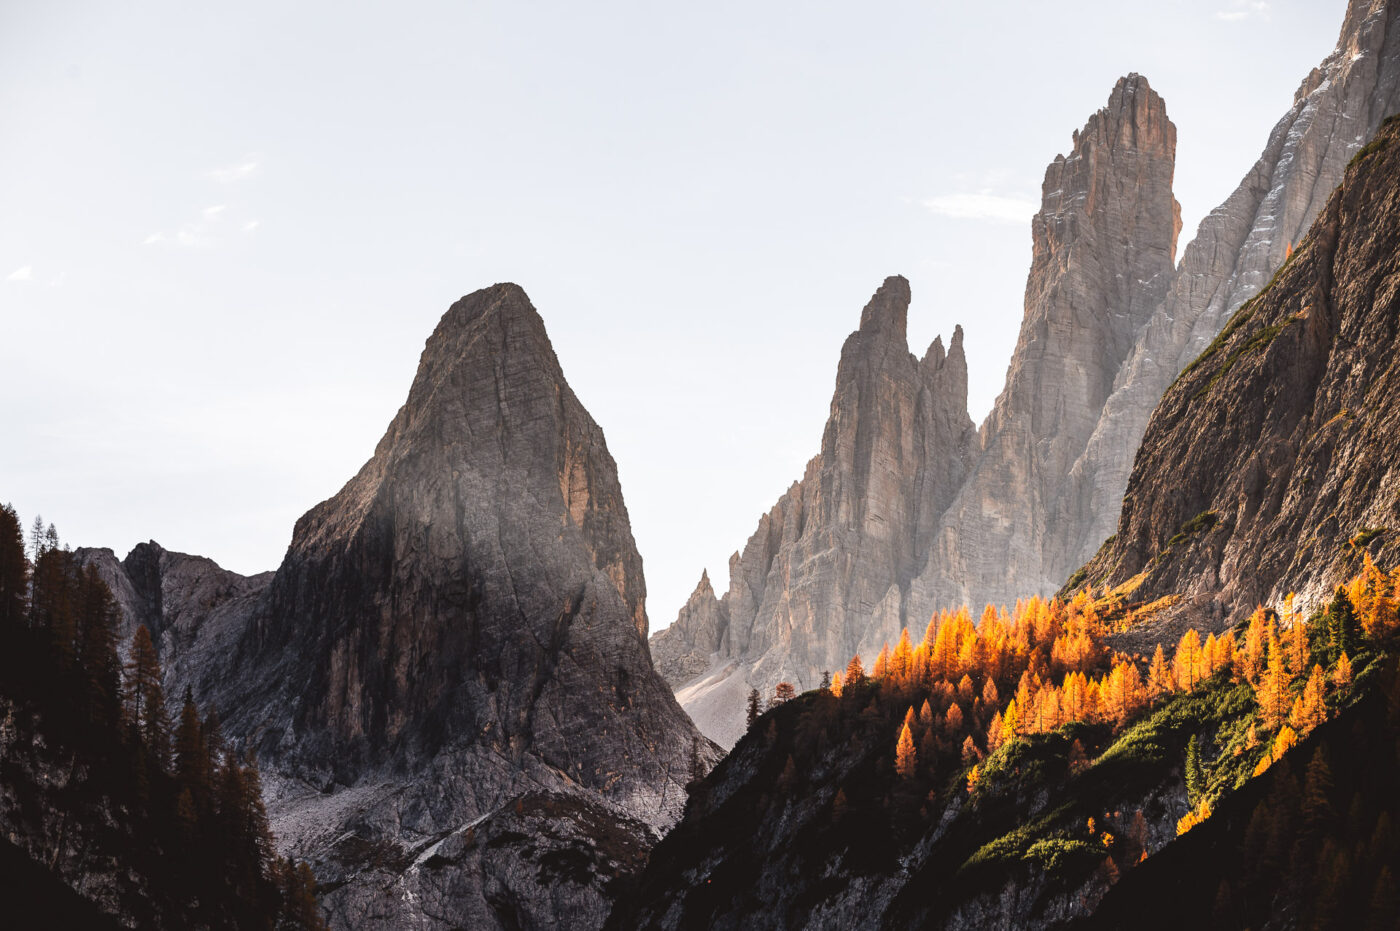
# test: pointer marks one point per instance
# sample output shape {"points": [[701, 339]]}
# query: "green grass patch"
{"points": [[1369, 149], [1202, 522], [1061, 855], [1365, 537], [1259, 340]]}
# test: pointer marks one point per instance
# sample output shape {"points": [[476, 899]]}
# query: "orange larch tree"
{"points": [[1272, 690], [1189, 667], [905, 760], [1310, 709], [1159, 676]]}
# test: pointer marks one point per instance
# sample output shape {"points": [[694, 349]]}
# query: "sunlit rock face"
{"points": [[1283, 430], [907, 506], [1238, 248], [828, 572], [1103, 247], [452, 648]]}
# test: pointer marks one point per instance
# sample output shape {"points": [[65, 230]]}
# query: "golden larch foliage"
{"points": [[1341, 673], [1189, 665], [1271, 692], [882, 662], [1195, 816], [1159, 676], [905, 760], [1310, 709]]}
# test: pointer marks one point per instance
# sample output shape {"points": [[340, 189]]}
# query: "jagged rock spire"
{"points": [[1103, 244], [828, 569]]}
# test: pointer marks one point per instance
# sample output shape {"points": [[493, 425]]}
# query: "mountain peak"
{"points": [[888, 309]]}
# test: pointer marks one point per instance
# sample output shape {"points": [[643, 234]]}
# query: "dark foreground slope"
{"points": [[109, 815], [1311, 844], [1286, 426], [821, 818]]}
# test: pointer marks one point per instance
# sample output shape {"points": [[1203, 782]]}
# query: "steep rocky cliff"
{"points": [[181, 599], [1237, 249], [451, 658], [1286, 424], [1104, 244], [828, 571]]}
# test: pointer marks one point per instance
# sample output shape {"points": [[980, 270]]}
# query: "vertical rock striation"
{"points": [[1104, 244], [828, 572], [1236, 251], [1282, 430], [907, 508]]}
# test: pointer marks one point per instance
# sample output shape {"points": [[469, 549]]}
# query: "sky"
{"points": [[226, 230]]}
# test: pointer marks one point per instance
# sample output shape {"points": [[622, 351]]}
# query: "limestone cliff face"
{"points": [[447, 680], [1237, 250], [1104, 244], [828, 571], [182, 600], [1281, 435], [683, 650], [476, 575]]}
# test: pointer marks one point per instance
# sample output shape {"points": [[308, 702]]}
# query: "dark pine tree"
{"points": [[1341, 625], [146, 714], [14, 571], [755, 707], [97, 648], [1195, 776]]}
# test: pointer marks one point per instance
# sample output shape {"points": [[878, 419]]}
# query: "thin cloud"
{"points": [[984, 205], [23, 273], [251, 225], [236, 172], [1245, 9], [212, 213], [189, 236]]}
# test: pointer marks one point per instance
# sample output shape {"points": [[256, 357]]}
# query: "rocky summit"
{"points": [[1238, 248], [454, 644], [1260, 466], [828, 571], [1103, 248], [1286, 421], [907, 499]]}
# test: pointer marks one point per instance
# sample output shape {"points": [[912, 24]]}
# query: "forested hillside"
{"points": [[114, 811]]}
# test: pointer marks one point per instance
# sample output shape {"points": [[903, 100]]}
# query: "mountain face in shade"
{"points": [[447, 681], [1286, 424], [476, 576], [828, 571]]}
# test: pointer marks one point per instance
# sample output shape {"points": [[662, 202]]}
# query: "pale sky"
{"points": [[227, 230]]}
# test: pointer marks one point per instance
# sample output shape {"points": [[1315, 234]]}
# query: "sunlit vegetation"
{"points": [[983, 716]]}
